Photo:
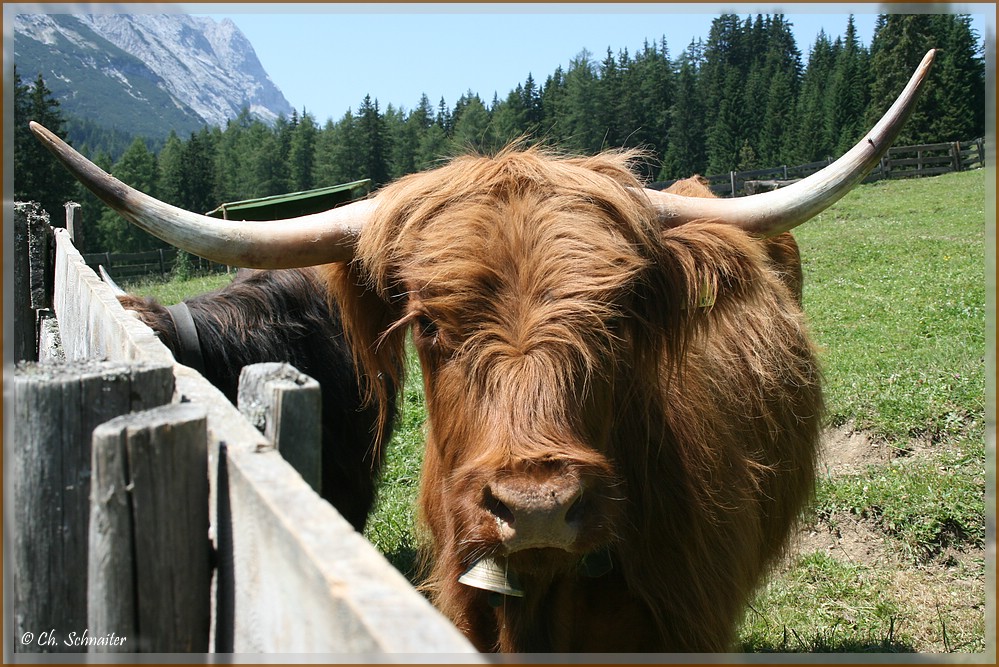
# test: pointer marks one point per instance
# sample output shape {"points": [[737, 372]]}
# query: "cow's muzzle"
{"points": [[531, 513]]}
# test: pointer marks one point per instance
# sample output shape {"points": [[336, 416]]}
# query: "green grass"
{"points": [[170, 290], [391, 526], [895, 293], [925, 505]]}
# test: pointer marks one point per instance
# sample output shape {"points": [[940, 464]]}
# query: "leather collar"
{"points": [[190, 345]]}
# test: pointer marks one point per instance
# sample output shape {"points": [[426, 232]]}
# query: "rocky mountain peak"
{"points": [[203, 67]]}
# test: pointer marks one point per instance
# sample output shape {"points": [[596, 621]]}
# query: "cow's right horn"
{"points": [[770, 213], [319, 238]]}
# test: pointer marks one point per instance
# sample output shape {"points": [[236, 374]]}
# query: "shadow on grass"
{"points": [[405, 559], [792, 642]]}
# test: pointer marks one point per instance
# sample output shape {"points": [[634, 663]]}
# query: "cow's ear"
{"points": [[706, 273], [366, 317]]}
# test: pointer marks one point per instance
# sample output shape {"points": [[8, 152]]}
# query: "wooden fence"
{"points": [[150, 515], [898, 162]]}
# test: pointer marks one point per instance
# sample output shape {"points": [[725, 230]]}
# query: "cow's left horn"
{"points": [[771, 213], [324, 237]]}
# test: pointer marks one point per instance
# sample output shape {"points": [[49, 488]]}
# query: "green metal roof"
{"points": [[292, 204]]}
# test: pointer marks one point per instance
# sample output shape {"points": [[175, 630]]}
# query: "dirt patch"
{"points": [[941, 603], [843, 450], [851, 540]]}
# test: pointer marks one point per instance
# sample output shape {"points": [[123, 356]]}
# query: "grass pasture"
{"points": [[891, 555]]}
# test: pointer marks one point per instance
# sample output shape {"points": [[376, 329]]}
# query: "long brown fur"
{"points": [[561, 329], [284, 316]]}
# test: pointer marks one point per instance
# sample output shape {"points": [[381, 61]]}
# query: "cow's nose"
{"points": [[532, 513]]}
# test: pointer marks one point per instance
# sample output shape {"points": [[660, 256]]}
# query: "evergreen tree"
{"points": [[957, 96], [433, 149], [231, 179], [403, 142], [419, 124], [444, 119], [552, 104], [685, 154], [781, 65], [93, 208], [509, 118], [533, 112], [578, 116], [722, 76], [373, 140], [137, 168], [302, 153], [899, 44], [38, 176], [471, 125], [198, 182], [811, 138], [848, 92], [170, 169], [648, 93], [609, 109]]}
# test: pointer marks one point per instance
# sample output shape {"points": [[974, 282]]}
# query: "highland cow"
{"points": [[623, 402], [284, 316]]}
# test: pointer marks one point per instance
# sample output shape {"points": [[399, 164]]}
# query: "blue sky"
{"points": [[326, 58]]}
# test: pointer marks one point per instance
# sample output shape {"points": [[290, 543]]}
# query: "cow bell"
{"points": [[492, 574]]}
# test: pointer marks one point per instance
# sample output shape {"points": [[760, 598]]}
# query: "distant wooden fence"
{"points": [[161, 261], [150, 516], [898, 162]]}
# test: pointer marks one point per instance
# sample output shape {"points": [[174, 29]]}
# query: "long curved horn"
{"points": [[771, 213], [274, 244]]}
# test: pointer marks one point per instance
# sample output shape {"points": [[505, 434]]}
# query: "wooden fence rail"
{"points": [[161, 261], [292, 575], [898, 162]]}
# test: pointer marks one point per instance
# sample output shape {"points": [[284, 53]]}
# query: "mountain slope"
{"points": [[146, 74]]}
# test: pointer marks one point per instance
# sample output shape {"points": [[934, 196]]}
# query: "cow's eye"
{"points": [[426, 327]]}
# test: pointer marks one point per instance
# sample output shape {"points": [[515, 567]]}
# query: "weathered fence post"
{"points": [[285, 405], [74, 225], [54, 409], [32, 283], [149, 575]]}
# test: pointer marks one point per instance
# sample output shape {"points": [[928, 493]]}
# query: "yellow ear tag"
{"points": [[707, 295]]}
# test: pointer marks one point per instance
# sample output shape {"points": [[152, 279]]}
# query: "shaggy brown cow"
{"points": [[595, 385], [623, 401], [284, 316]]}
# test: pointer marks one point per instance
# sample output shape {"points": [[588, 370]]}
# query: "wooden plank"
{"points": [[40, 259], [919, 147], [49, 340], [32, 276], [286, 406], [921, 161], [92, 322], [55, 408], [289, 599], [74, 225], [150, 502]]}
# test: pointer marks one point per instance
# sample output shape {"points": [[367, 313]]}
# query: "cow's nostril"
{"points": [[575, 513], [498, 508]]}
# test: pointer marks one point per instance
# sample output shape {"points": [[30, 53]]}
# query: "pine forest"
{"points": [[743, 98]]}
